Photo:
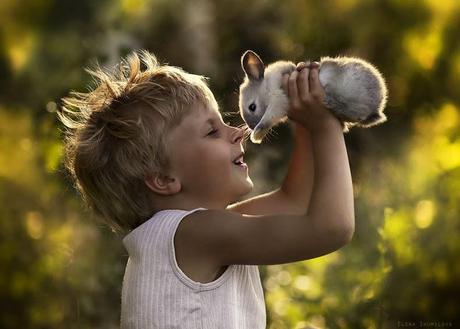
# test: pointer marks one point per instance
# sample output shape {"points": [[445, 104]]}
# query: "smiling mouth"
{"points": [[239, 161], [242, 165]]}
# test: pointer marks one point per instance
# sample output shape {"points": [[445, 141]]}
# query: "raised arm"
{"points": [[297, 185], [333, 190]]}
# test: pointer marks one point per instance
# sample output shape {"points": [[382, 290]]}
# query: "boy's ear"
{"points": [[252, 65], [163, 184]]}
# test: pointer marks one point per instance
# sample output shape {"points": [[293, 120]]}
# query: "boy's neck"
{"points": [[164, 203]]}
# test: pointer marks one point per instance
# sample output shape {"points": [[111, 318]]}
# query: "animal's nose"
{"points": [[252, 123]]}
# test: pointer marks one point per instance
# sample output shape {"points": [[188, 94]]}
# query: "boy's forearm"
{"points": [[332, 197], [298, 183]]}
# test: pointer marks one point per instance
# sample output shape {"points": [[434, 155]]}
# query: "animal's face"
{"points": [[253, 94], [252, 104]]}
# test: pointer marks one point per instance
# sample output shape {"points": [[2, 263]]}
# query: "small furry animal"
{"points": [[355, 92]]}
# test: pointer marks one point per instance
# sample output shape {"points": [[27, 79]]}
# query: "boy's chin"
{"points": [[249, 185], [243, 193]]}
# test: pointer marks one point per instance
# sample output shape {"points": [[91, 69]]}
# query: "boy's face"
{"points": [[202, 151]]}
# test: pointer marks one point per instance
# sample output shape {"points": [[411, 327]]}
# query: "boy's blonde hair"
{"points": [[116, 136]]}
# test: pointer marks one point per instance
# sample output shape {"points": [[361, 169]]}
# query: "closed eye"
{"points": [[212, 132]]}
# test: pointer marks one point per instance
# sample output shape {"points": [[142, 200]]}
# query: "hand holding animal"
{"points": [[354, 91]]}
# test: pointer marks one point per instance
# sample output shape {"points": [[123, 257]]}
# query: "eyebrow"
{"points": [[211, 120]]}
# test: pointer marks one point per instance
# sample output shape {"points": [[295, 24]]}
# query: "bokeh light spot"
{"points": [[424, 213], [34, 224]]}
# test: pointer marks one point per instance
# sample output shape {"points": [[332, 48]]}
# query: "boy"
{"points": [[151, 155]]}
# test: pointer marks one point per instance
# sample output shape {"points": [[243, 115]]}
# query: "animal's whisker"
{"points": [[270, 133]]}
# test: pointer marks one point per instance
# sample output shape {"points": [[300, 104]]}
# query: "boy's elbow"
{"points": [[348, 234], [344, 233]]}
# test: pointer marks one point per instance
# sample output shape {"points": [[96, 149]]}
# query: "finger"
{"points": [[302, 83], [292, 86], [315, 85], [300, 66]]}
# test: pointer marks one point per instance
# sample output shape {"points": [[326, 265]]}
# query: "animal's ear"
{"points": [[252, 65]]}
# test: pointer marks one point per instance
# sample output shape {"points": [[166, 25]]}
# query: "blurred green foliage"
{"points": [[62, 270]]}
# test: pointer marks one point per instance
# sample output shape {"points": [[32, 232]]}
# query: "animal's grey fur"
{"points": [[355, 92]]}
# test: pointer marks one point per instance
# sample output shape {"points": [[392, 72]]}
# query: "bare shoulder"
{"points": [[215, 238], [196, 264]]}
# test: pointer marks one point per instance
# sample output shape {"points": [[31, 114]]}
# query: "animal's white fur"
{"points": [[355, 92]]}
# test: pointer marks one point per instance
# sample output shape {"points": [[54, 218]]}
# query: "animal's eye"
{"points": [[252, 107]]}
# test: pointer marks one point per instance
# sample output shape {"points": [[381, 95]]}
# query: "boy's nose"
{"points": [[238, 135]]}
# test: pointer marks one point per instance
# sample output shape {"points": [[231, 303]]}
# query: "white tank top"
{"points": [[157, 294]]}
